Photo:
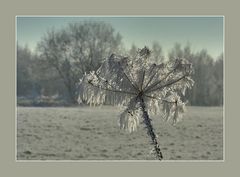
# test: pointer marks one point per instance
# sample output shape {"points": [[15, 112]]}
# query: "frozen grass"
{"points": [[83, 133]]}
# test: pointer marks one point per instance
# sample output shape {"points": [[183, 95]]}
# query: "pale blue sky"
{"points": [[200, 32]]}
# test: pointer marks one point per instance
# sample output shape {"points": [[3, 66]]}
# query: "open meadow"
{"points": [[84, 133]]}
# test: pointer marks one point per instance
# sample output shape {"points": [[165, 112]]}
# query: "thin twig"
{"points": [[167, 84], [151, 78], [130, 74], [143, 76], [112, 90], [105, 81], [158, 82], [152, 97], [128, 78]]}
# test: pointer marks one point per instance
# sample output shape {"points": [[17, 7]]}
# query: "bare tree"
{"points": [[157, 52], [176, 52], [26, 82], [78, 48], [133, 50]]}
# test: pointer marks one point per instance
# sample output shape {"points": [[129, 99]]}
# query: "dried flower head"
{"points": [[141, 86]]}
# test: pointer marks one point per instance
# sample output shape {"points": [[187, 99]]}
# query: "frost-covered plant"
{"points": [[142, 87]]}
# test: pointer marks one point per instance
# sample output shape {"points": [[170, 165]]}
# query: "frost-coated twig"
{"points": [[152, 76], [150, 130], [159, 81], [111, 90], [167, 84], [129, 80]]}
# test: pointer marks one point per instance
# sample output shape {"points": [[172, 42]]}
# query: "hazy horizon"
{"points": [[201, 32]]}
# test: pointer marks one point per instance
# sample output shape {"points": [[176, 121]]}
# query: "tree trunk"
{"points": [[72, 97], [150, 130]]}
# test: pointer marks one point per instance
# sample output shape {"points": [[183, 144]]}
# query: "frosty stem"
{"points": [[150, 130]]}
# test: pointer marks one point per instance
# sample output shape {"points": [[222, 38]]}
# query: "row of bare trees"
{"points": [[63, 56]]}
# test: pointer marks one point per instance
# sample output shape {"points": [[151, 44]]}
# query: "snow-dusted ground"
{"points": [[83, 133]]}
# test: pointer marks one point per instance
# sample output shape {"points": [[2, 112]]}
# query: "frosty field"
{"points": [[83, 133]]}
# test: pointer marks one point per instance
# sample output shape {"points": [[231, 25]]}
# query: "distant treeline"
{"points": [[50, 75]]}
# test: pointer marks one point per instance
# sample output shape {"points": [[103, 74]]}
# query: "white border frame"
{"points": [[224, 121]]}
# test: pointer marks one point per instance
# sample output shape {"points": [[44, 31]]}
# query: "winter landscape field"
{"points": [[86, 133]]}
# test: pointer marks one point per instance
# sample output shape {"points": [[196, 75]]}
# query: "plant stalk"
{"points": [[150, 130]]}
